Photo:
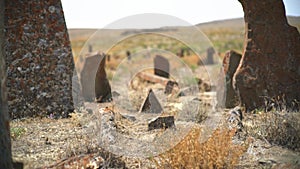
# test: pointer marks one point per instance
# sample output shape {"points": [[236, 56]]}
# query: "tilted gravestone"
{"points": [[102, 87], [39, 59], [161, 66], [87, 73], [269, 67], [231, 61]]}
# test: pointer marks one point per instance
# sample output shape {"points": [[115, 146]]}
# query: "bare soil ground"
{"points": [[71, 142], [46, 141]]}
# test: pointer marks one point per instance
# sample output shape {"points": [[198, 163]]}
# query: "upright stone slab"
{"points": [[269, 66], [231, 61], [102, 87], [161, 66], [5, 146], [39, 59], [87, 70], [210, 55]]}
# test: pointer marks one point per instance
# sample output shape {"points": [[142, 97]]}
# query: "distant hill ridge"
{"points": [[239, 22], [227, 23]]}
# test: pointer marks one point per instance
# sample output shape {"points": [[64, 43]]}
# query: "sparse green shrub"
{"points": [[16, 132]]}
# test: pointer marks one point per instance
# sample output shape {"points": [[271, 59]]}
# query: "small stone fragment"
{"points": [[161, 122], [170, 86]]}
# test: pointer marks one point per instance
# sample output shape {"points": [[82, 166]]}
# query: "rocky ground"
{"points": [[107, 135], [116, 134], [45, 142]]}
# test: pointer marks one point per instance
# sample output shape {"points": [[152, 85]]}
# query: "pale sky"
{"points": [[101, 14]]}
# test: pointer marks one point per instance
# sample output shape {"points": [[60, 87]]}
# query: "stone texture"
{"points": [[270, 63], [161, 66], [91, 160], [102, 87], [202, 85], [151, 104], [5, 146], [161, 122], [39, 59], [231, 61], [87, 74], [108, 127]]}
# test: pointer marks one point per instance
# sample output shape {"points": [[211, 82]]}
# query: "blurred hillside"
{"points": [[224, 35]]}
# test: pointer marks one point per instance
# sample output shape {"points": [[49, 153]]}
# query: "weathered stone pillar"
{"points": [[88, 71], [5, 146], [39, 58], [161, 66], [230, 63], [210, 55], [269, 66]]}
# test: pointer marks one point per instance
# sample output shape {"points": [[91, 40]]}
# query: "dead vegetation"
{"points": [[217, 152], [277, 127]]}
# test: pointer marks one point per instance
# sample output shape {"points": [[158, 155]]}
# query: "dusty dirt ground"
{"points": [[48, 141], [68, 143]]}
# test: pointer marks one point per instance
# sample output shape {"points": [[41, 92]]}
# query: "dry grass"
{"points": [[191, 61], [277, 127], [217, 152], [224, 39]]}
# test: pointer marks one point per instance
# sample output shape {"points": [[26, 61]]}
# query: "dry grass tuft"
{"points": [[192, 61], [277, 127], [217, 152]]}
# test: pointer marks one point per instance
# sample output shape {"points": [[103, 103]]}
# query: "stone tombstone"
{"points": [[87, 74], [39, 59], [90, 48], [102, 87], [181, 52], [151, 104], [269, 66], [231, 61], [161, 66], [128, 54], [5, 145], [210, 55]]}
